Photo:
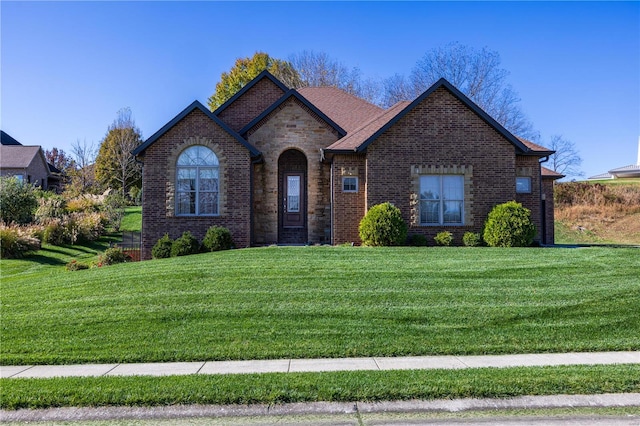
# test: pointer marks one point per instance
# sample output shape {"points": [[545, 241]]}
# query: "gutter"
{"points": [[543, 216]]}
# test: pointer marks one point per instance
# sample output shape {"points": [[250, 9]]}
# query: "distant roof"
{"points": [[626, 169], [632, 170], [601, 176], [6, 139], [17, 156], [550, 174], [347, 110]]}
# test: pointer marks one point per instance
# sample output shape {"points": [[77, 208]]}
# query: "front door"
{"points": [[293, 202], [292, 194]]}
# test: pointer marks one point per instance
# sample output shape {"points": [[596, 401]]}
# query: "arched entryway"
{"points": [[292, 197]]}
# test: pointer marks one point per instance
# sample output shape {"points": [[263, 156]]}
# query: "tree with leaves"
{"points": [[59, 159], [566, 160], [115, 167], [245, 70], [476, 73]]}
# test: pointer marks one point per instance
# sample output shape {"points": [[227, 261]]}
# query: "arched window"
{"points": [[197, 182]]}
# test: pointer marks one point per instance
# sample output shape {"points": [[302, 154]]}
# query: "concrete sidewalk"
{"points": [[319, 365]]}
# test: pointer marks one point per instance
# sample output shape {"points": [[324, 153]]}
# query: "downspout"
{"points": [[543, 207]]}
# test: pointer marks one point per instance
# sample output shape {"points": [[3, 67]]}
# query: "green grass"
{"points": [[132, 220], [305, 387], [305, 302]]}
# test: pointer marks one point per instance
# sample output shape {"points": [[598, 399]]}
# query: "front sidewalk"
{"points": [[320, 365]]}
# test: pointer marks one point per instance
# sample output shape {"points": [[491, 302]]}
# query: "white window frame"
{"points": [[527, 179], [215, 166], [441, 202], [344, 181]]}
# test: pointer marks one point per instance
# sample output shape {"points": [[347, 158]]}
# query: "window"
{"points": [[523, 185], [197, 182], [441, 200], [349, 184]]}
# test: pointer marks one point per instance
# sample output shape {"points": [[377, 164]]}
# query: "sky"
{"points": [[66, 68]]}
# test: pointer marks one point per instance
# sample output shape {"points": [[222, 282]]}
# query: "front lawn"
{"points": [[306, 302]]}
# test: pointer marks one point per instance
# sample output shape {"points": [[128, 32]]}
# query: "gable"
{"points": [[19, 156], [251, 101], [195, 106]]}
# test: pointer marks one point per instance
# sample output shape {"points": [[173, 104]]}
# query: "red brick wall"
{"points": [[158, 180], [527, 166], [442, 132], [348, 207], [251, 104]]}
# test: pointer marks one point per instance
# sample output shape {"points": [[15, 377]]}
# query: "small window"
{"points": [[523, 185], [349, 184]]}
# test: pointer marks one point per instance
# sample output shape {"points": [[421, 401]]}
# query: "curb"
{"points": [[321, 408]]}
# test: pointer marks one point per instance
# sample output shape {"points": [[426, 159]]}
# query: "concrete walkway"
{"points": [[319, 365]]}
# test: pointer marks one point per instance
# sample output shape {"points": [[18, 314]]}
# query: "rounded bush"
{"points": [[162, 248], [113, 256], [185, 245], [18, 200], [509, 225], [217, 238], [471, 239], [383, 226], [443, 238]]}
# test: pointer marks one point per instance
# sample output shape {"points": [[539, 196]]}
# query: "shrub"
{"points": [[16, 242], [443, 238], [52, 207], [509, 225], [217, 238], [383, 226], [56, 233], [162, 248], [17, 200], [471, 239], [185, 245], [112, 256], [418, 240], [84, 203], [74, 265], [88, 226]]}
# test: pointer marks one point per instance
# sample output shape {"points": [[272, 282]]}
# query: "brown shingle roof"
{"points": [[533, 146], [356, 138], [348, 111], [17, 156], [551, 174]]}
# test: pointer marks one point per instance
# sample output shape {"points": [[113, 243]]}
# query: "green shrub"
{"points": [[74, 265], [383, 226], [112, 256], [88, 226], [18, 200], [217, 238], [162, 248], [418, 240], [471, 239], [509, 225], [56, 233], [185, 245], [443, 238], [16, 242]]}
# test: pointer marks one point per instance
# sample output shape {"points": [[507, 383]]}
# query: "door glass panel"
{"points": [[293, 194]]}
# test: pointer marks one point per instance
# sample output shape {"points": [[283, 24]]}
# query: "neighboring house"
{"points": [[281, 166], [27, 163], [625, 172]]}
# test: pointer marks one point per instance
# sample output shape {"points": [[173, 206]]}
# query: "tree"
{"points": [[245, 70], [566, 159], [83, 172], [59, 159], [116, 167], [317, 69], [476, 73]]}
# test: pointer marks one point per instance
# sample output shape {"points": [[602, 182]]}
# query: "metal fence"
{"points": [[130, 245]]}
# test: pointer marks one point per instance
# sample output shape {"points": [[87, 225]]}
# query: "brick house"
{"points": [[278, 165], [27, 163]]}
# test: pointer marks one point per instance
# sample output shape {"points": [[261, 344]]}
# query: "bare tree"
{"points": [[566, 159], [84, 156], [477, 73], [397, 88], [116, 167], [317, 69]]}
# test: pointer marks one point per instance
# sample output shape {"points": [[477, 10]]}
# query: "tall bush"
{"points": [[185, 245], [217, 238], [162, 248], [509, 225], [18, 200], [383, 226]]}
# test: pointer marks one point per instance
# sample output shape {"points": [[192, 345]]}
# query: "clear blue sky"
{"points": [[68, 67]]}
